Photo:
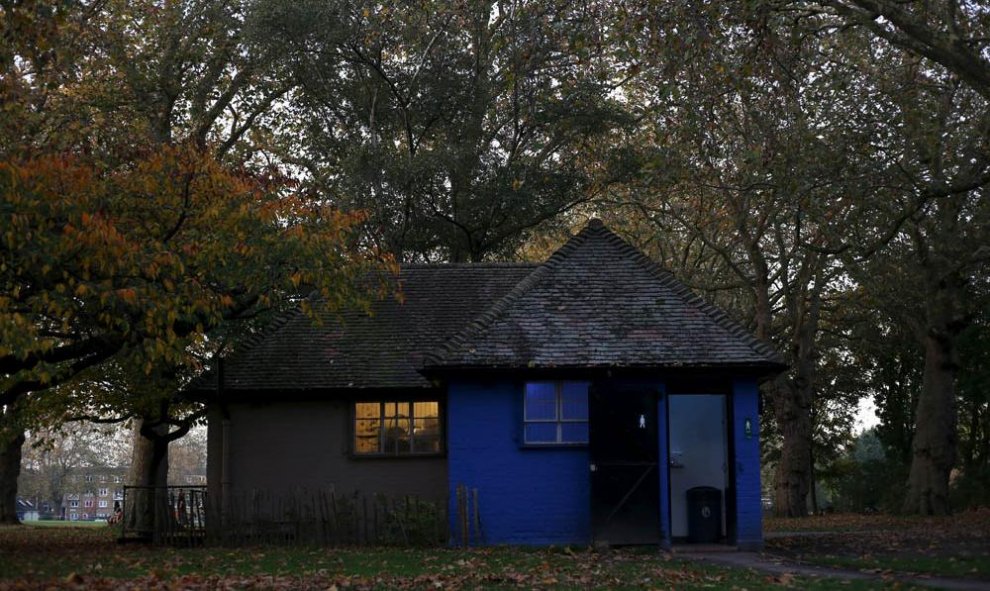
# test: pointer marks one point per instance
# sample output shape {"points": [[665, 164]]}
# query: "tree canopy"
{"points": [[171, 171]]}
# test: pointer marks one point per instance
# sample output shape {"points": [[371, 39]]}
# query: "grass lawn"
{"points": [[58, 523], [954, 546], [87, 557]]}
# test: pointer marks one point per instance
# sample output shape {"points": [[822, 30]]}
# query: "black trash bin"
{"points": [[704, 514]]}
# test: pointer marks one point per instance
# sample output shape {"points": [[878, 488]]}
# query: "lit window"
{"points": [[397, 428], [556, 413]]}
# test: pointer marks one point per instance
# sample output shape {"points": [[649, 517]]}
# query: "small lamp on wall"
{"points": [[748, 427]]}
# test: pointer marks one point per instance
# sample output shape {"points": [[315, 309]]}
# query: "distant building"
{"points": [[91, 492], [27, 510], [194, 479]]}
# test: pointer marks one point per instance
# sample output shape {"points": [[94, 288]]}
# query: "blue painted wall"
{"points": [[749, 518], [541, 496], [525, 496]]}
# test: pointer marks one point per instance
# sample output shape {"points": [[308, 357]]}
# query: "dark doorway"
{"points": [[625, 483]]}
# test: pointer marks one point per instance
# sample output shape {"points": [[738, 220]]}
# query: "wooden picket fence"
{"points": [[331, 519], [189, 516]]}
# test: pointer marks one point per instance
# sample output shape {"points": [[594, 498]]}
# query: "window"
{"points": [[88, 478], [396, 428], [116, 479], [104, 492], [88, 503], [555, 413], [118, 495], [73, 517], [73, 503], [104, 504], [84, 516], [103, 477]]}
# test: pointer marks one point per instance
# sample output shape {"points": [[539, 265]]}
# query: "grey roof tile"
{"points": [[381, 350], [599, 302]]}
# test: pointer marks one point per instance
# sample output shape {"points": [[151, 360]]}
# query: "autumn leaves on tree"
{"points": [[172, 173], [130, 240]]}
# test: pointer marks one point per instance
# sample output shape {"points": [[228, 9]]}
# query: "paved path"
{"points": [[781, 566]]}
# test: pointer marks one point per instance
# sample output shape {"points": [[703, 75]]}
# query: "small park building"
{"points": [[592, 398]]}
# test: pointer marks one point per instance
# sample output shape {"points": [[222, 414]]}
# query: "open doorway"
{"points": [[698, 462]]}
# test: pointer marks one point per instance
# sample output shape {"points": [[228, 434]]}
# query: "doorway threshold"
{"points": [[702, 548]]}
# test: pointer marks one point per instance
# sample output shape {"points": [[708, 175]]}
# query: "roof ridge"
{"points": [[689, 297], [480, 265], [483, 321]]}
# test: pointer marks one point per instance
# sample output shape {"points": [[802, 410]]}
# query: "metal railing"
{"points": [[174, 515]]}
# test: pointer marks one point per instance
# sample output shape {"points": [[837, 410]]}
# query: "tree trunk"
{"points": [[793, 399], [793, 475], [934, 444], [11, 441], [149, 470], [815, 510], [793, 418]]}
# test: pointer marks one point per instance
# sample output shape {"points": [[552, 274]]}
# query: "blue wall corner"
{"points": [[666, 538], [749, 511], [525, 495], [543, 496]]}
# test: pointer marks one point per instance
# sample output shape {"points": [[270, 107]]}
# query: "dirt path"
{"points": [[782, 567]]}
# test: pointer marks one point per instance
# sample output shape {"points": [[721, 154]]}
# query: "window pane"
{"points": [[367, 410], [366, 436], [397, 439], [541, 401], [426, 436], [397, 428], [574, 401], [574, 432], [541, 432], [426, 410]]}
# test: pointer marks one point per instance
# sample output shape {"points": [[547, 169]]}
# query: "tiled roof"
{"points": [[599, 302], [383, 350]]}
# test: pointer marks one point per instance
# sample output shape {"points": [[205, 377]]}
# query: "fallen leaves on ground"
{"points": [[957, 545], [72, 560]]}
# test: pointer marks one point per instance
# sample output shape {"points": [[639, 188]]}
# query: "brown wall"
{"points": [[284, 446]]}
